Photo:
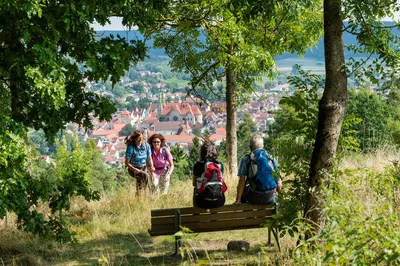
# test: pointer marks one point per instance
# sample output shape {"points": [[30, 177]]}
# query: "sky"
{"points": [[116, 24]]}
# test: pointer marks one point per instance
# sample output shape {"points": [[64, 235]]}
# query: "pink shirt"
{"points": [[160, 163]]}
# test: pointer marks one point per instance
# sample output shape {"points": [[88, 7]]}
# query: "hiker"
{"points": [[138, 160], [163, 163], [209, 186], [257, 183]]}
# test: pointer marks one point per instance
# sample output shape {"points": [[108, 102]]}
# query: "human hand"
{"points": [[279, 188], [167, 177]]}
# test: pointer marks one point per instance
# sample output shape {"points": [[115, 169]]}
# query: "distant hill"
{"points": [[316, 52]]}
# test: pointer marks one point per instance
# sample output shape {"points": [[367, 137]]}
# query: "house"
{"points": [[184, 140], [166, 128], [181, 112]]}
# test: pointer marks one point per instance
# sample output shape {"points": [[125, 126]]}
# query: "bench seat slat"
{"points": [[226, 216], [171, 232], [210, 226], [213, 216], [225, 208], [226, 224]]}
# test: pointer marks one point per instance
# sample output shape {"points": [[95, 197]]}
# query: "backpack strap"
{"points": [[133, 153], [164, 152]]}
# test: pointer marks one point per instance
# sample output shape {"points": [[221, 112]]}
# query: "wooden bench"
{"points": [[228, 217]]}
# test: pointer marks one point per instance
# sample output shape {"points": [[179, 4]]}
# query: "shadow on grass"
{"points": [[116, 249], [124, 249]]}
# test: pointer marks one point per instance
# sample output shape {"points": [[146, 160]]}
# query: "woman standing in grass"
{"points": [[138, 160], [209, 186], [163, 163]]}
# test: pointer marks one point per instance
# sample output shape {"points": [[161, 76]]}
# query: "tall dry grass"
{"points": [[113, 230]]}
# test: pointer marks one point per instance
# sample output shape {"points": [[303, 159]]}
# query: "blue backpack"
{"points": [[261, 168]]}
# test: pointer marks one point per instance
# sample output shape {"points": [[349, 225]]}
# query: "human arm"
{"points": [[279, 187], [149, 160], [170, 170], [130, 166], [239, 189]]}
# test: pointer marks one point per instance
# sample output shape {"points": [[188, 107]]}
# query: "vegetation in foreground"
{"points": [[361, 228]]}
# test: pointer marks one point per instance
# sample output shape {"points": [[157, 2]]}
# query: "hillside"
{"points": [[314, 53]]}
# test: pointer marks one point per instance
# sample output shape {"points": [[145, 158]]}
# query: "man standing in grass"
{"points": [[258, 181]]}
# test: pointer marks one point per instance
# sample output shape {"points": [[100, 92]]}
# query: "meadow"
{"points": [[113, 231]]}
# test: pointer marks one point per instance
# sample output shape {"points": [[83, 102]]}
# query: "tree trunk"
{"points": [[331, 114], [231, 136]]}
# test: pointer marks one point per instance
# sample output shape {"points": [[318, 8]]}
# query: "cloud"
{"points": [[114, 25]]}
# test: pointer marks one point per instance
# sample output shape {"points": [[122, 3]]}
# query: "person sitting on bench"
{"points": [[209, 186], [258, 180]]}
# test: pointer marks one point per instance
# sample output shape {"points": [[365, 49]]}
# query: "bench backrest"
{"points": [[228, 217]]}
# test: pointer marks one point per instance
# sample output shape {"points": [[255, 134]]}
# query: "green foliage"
{"points": [[246, 127], [48, 51], [362, 221], [373, 130], [194, 153], [26, 184], [181, 170], [102, 178], [127, 130], [292, 139], [205, 39]]}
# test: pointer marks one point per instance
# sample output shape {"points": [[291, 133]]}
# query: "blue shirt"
{"points": [[243, 167], [141, 154]]}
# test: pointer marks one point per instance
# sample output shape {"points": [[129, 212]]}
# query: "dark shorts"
{"points": [[142, 178], [252, 197], [201, 202]]}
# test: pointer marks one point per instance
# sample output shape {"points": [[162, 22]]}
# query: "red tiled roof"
{"points": [[179, 138], [118, 126], [217, 137], [120, 146], [112, 136], [220, 130], [153, 107], [151, 119], [170, 125], [169, 107], [103, 132], [196, 110]]}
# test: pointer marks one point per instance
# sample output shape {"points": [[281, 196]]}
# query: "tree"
{"points": [[246, 127], [235, 41], [48, 50], [375, 114], [102, 178], [374, 38], [127, 130], [194, 152], [182, 170]]}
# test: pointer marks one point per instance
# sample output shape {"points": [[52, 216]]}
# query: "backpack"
{"points": [[261, 172], [211, 184]]}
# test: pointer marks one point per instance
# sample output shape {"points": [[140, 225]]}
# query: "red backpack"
{"points": [[211, 184]]}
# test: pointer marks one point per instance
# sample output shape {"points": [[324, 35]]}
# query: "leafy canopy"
{"points": [[204, 37], [48, 52]]}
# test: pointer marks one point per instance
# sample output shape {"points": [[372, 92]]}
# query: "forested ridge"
{"points": [[316, 52]]}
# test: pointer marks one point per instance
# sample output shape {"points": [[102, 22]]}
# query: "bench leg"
{"points": [[275, 231], [269, 236], [178, 244]]}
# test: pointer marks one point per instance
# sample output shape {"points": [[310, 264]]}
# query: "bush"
{"points": [[362, 225]]}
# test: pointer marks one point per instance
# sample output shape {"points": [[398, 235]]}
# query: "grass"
{"points": [[113, 231]]}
